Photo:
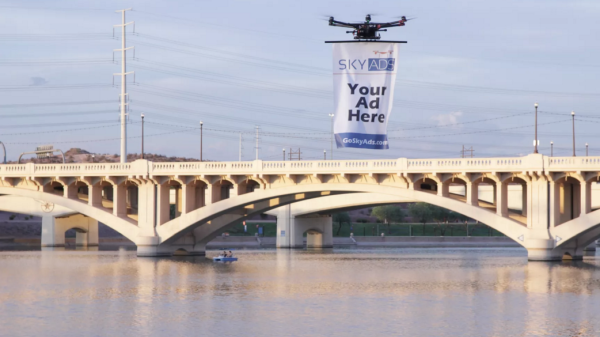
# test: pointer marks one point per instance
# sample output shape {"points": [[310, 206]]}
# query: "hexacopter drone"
{"points": [[367, 30]]}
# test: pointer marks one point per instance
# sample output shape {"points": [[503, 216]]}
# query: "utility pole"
{"points": [[535, 140], [284, 154], [324, 154], [142, 136], [331, 136], [573, 117], [257, 142], [551, 149], [201, 136], [240, 147], [123, 75], [586, 149]]}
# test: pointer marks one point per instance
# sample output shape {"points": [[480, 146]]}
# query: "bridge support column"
{"points": [[291, 229], [119, 200], [188, 197], [95, 194], [472, 193], [539, 243], [286, 236], [163, 207], [53, 230], [501, 199], [586, 197]]}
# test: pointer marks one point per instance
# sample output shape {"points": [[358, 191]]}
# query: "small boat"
{"points": [[222, 258]]}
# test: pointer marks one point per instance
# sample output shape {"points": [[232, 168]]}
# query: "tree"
{"points": [[421, 212], [388, 214], [341, 218], [441, 215]]}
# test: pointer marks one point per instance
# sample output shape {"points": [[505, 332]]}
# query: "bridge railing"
{"points": [[73, 169], [572, 163], [144, 168]]}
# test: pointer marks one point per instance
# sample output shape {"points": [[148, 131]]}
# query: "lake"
{"points": [[339, 292]]}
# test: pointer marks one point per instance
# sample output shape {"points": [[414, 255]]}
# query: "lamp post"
{"points": [[535, 141], [551, 149], [586, 149], [331, 137], [324, 154], [142, 136], [284, 154], [573, 117], [201, 124], [93, 158]]}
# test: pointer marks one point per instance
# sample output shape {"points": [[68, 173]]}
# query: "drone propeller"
{"points": [[403, 17]]}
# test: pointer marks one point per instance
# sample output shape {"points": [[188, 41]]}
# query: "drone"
{"points": [[367, 30]]}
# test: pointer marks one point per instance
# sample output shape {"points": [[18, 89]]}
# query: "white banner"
{"points": [[364, 74]]}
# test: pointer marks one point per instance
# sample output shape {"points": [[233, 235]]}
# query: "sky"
{"points": [[469, 75]]}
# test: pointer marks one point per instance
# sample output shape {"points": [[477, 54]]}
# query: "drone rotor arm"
{"points": [[344, 24]]}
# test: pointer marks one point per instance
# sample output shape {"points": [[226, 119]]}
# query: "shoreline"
{"points": [[270, 242]]}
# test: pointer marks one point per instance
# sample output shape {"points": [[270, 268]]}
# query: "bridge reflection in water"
{"points": [[413, 292]]}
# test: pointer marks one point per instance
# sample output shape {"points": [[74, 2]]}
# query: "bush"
{"points": [[12, 217]]}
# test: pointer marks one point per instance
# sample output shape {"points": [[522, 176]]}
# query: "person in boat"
{"points": [[224, 253], [230, 254]]}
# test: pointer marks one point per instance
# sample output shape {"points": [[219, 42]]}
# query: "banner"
{"points": [[364, 74]]}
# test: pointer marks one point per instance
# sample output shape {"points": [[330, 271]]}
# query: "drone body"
{"points": [[367, 30]]}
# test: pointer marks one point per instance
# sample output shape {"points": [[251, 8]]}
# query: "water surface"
{"points": [[340, 292]]}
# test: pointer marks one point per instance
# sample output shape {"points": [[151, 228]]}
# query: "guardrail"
{"points": [[143, 168]]}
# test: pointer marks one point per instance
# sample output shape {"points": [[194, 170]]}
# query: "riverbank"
{"points": [[270, 242]]}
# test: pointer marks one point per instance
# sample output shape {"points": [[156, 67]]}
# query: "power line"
{"points": [[31, 105]]}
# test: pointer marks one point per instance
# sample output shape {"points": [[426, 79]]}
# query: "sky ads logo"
{"points": [[371, 64]]}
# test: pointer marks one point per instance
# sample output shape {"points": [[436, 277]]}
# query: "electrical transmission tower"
{"points": [[463, 153], [123, 97], [293, 154]]}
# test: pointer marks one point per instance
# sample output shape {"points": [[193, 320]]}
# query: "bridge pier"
{"points": [[291, 229], [54, 228]]}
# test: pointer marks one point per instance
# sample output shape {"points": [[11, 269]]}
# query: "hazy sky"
{"points": [[470, 74]]}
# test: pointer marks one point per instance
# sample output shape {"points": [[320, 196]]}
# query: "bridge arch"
{"points": [[262, 201], [124, 226]]}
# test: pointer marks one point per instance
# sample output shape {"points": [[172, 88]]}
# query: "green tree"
{"points": [[441, 216], [341, 218], [421, 212], [388, 214]]}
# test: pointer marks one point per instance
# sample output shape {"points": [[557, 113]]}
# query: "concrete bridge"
{"points": [[556, 218]]}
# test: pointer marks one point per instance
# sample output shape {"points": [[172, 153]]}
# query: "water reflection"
{"points": [[446, 292]]}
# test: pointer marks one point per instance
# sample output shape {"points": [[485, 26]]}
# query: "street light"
{"points": [[535, 140], [573, 116], [324, 154], [551, 149], [331, 137], [586, 149], [284, 154], [142, 136], [93, 158], [201, 124]]}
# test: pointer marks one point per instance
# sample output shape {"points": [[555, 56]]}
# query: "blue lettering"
{"points": [[352, 64], [381, 64], [362, 64], [342, 63]]}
